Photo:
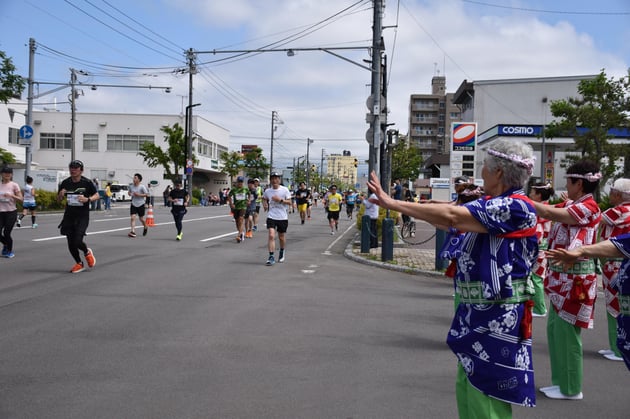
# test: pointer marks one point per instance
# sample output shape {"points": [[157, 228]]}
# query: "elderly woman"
{"points": [[491, 331], [572, 292]]}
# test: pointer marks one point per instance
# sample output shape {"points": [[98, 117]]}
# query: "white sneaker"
{"points": [[549, 388], [613, 357], [557, 394], [605, 352]]}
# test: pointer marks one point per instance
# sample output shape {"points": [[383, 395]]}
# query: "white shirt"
{"points": [[371, 209], [277, 210]]}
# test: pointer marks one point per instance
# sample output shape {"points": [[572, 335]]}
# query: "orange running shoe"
{"points": [[89, 257], [78, 267]]}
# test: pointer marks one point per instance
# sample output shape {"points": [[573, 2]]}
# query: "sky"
{"points": [[316, 95]]}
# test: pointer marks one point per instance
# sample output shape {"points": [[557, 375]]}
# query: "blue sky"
{"points": [[141, 43]]}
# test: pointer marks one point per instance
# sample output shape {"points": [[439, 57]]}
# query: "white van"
{"points": [[120, 192]]}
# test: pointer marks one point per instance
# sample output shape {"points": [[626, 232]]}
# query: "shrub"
{"points": [[46, 201]]}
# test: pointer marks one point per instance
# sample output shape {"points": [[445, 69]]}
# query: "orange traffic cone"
{"points": [[150, 218]]}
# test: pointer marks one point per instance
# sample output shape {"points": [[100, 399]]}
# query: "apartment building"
{"points": [[430, 118]]}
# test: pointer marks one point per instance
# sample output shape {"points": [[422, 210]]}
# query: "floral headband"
{"points": [[519, 160], [472, 192], [590, 176], [547, 186]]}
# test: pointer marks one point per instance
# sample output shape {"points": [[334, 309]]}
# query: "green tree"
{"points": [[233, 163], [406, 161], [604, 103], [173, 158], [255, 164], [11, 85], [6, 157]]}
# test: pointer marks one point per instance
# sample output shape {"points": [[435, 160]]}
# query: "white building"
{"points": [[108, 145], [518, 109]]}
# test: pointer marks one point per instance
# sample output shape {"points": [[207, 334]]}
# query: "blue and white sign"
{"points": [[520, 130], [26, 132]]}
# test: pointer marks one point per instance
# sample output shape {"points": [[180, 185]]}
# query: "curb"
{"points": [[349, 254]]}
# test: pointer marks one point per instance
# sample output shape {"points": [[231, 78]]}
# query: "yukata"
{"points": [[615, 221], [491, 331], [572, 292], [622, 285], [539, 270]]}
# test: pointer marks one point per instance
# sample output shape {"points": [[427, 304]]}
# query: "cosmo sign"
{"points": [[520, 130]]}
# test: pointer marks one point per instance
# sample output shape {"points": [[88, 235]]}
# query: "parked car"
{"points": [[120, 192]]}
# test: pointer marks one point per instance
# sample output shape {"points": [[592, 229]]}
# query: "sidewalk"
{"points": [[407, 258]]}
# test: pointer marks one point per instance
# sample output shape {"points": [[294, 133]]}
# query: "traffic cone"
{"points": [[150, 218]]}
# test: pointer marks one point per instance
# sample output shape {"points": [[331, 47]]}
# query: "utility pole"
{"points": [[274, 121], [29, 107], [375, 131], [73, 97], [308, 164], [321, 171], [188, 169]]}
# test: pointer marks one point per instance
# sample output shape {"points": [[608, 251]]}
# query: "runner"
{"points": [[139, 194], [79, 192], [332, 201], [275, 200], [302, 196], [238, 199], [29, 204]]}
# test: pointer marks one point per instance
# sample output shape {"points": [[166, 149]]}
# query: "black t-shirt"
{"points": [[302, 196], [84, 187], [179, 198]]}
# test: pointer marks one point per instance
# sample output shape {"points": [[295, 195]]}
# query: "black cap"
{"points": [[76, 164], [177, 182], [240, 179], [6, 169], [275, 174]]}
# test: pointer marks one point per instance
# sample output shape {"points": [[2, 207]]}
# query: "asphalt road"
{"points": [[203, 329]]}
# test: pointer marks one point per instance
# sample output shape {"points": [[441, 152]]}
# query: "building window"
{"points": [[55, 141], [468, 157], [14, 136], [127, 142], [90, 142]]}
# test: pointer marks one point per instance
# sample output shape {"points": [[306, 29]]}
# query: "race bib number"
{"points": [[73, 200]]}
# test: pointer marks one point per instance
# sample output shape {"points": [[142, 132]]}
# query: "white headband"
{"points": [[519, 160], [588, 176], [547, 186]]}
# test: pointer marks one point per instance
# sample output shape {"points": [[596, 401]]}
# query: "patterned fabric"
{"points": [[485, 333], [615, 221], [572, 294], [622, 284], [542, 234]]}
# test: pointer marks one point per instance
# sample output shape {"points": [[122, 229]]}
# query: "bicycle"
{"points": [[408, 229]]}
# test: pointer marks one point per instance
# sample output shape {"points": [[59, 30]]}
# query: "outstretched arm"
{"points": [[442, 215]]}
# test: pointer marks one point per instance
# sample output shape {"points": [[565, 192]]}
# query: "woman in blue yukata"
{"points": [[491, 331]]}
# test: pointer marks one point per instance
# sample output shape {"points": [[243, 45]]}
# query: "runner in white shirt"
{"points": [[275, 201]]}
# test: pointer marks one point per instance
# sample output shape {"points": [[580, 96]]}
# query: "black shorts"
{"points": [[238, 213], [333, 215], [137, 210], [279, 225]]}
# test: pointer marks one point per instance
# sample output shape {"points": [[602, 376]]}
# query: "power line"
{"points": [[116, 30], [558, 12]]}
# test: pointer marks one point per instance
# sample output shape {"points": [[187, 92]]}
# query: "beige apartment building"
{"points": [[430, 118]]}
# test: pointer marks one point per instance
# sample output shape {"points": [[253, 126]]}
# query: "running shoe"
{"points": [[281, 256], [89, 257], [19, 223], [12, 255], [78, 267], [5, 251], [179, 236], [255, 228], [332, 233], [34, 225], [271, 261], [145, 231], [242, 237], [131, 234]]}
